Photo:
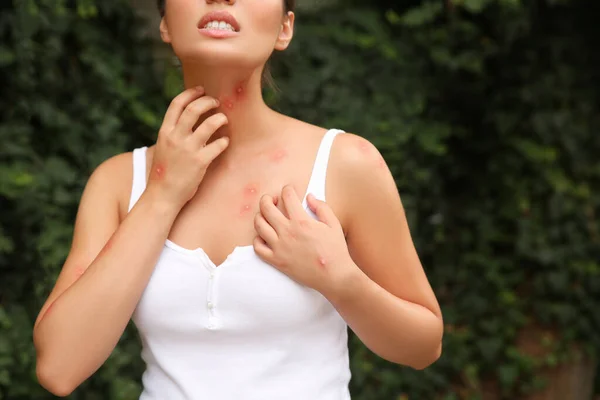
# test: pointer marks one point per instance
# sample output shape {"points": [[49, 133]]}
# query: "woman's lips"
{"points": [[218, 33], [219, 16]]}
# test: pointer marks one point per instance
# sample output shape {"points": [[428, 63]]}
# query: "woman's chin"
{"points": [[219, 56]]}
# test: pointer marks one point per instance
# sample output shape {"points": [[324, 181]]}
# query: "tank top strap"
{"points": [[139, 175], [316, 185]]}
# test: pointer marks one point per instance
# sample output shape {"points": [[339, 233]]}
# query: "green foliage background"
{"points": [[487, 112]]}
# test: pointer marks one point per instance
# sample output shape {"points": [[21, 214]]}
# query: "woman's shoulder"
{"points": [[356, 169], [114, 178], [352, 153], [349, 151], [115, 169]]}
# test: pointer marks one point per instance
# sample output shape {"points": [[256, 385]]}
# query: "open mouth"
{"points": [[219, 25], [219, 21]]}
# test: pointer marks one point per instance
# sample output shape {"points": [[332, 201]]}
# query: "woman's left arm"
{"points": [[389, 303], [361, 257]]}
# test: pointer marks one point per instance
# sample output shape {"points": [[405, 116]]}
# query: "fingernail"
{"points": [[199, 88]]}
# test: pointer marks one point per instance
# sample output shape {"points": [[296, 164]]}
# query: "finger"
{"points": [[213, 150], [322, 210], [192, 113], [208, 128], [263, 250], [271, 213], [178, 104], [280, 206], [292, 203], [264, 230]]}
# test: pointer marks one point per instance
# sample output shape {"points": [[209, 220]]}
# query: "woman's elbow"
{"points": [[49, 380], [428, 360]]}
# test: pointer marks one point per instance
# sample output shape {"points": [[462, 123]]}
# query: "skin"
{"points": [[227, 163], [159, 172], [278, 156]]}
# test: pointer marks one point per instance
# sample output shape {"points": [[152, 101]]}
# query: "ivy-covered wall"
{"points": [[487, 112]]}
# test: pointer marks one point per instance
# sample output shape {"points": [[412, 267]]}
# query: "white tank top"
{"points": [[241, 330]]}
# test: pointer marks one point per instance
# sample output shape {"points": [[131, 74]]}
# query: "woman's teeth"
{"points": [[224, 26]]}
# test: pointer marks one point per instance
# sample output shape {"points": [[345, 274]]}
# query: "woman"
{"points": [[241, 279]]}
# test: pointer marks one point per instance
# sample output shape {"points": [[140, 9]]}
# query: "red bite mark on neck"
{"points": [[238, 95], [240, 91]]}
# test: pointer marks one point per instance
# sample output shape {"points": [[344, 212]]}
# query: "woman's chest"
{"points": [[222, 214], [187, 294]]}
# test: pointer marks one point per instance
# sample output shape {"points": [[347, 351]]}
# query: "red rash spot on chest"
{"points": [[278, 156], [249, 194], [250, 190], [245, 209]]}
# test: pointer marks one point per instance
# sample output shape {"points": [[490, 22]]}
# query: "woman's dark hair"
{"points": [[290, 5], [267, 78]]}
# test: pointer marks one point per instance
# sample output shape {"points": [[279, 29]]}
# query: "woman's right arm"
{"points": [[110, 264], [94, 297]]}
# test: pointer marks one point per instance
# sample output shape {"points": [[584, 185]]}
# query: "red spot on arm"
{"points": [[365, 147], [369, 150], [106, 247], [50, 307], [158, 172], [381, 162], [322, 261], [79, 271]]}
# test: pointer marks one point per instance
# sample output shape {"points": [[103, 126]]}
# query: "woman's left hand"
{"points": [[313, 253]]}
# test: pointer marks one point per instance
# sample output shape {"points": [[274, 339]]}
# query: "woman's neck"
{"points": [[240, 95]]}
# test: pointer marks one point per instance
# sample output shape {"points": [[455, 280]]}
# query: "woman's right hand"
{"points": [[182, 156]]}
